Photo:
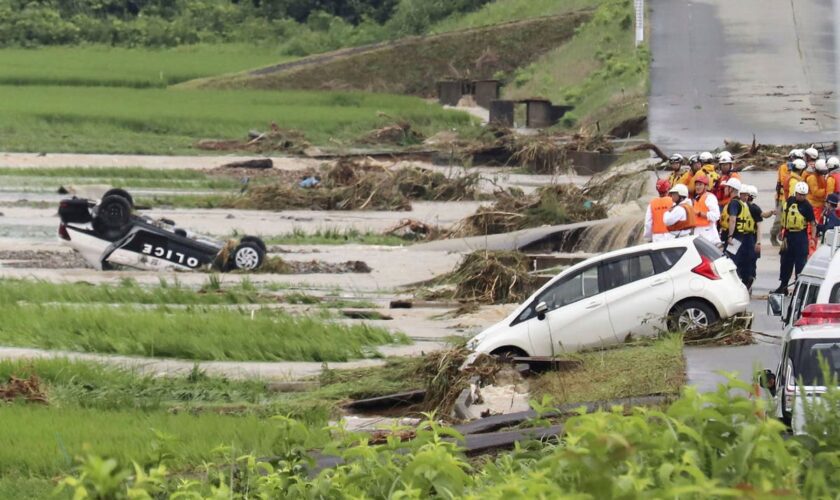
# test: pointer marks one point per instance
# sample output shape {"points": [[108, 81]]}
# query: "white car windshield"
{"points": [[807, 354]]}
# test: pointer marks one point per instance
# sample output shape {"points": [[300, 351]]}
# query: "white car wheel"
{"points": [[693, 318], [692, 315], [247, 258]]}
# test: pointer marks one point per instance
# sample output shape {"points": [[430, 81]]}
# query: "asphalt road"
{"points": [[734, 68], [707, 366]]}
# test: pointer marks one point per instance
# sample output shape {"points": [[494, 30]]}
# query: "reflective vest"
{"points": [[701, 211], [675, 178], [793, 178], [792, 220], [744, 223], [658, 207], [689, 221]]}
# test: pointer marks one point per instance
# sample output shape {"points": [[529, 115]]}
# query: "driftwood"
{"points": [[260, 164], [649, 146]]}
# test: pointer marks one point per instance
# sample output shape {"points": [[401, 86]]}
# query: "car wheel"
{"points": [[508, 352], [691, 315], [119, 192], [247, 256], [255, 240], [114, 213]]}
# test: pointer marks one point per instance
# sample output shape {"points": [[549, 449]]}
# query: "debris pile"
{"points": [[23, 389], [276, 139], [415, 230], [513, 210], [276, 265], [445, 379], [491, 278], [354, 185], [734, 331], [544, 153]]}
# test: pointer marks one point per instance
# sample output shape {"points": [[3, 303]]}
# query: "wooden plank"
{"points": [[388, 401]]}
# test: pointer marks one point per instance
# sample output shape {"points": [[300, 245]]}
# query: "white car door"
{"points": [[577, 315], [638, 297]]}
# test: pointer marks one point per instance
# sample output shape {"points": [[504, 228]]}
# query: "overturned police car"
{"points": [[109, 232]]}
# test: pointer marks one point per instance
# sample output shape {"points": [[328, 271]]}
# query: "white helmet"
{"points": [[734, 183], [676, 158], [799, 164], [812, 153], [801, 188], [725, 157], [724, 153], [821, 166], [749, 189], [796, 153], [833, 163], [680, 189], [706, 157], [693, 159]]}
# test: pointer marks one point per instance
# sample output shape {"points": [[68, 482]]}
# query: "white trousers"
{"points": [[662, 237], [708, 233]]}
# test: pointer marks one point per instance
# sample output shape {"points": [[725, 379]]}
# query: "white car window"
{"points": [[628, 270], [569, 291]]}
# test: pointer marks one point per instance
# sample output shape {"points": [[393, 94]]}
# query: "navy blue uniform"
{"points": [[745, 259], [796, 254]]}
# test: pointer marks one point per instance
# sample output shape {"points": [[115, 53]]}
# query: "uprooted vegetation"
{"points": [[489, 277], [544, 153], [513, 210], [351, 185]]}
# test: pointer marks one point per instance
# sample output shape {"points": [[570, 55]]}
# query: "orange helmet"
{"points": [[662, 186], [701, 179]]}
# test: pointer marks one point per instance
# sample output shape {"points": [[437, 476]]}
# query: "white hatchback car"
{"points": [[633, 292]]}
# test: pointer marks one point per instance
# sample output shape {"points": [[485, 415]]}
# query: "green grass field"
{"points": [[121, 67], [130, 177], [199, 333], [335, 236], [43, 442], [214, 292], [161, 121]]}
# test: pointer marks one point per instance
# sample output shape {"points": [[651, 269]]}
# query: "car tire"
{"points": [[691, 314], [247, 256], [119, 192], [253, 239], [113, 217], [509, 352]]}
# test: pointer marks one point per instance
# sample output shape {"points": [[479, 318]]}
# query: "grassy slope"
{"points": [[195, 333], [631, 371], [412, 65], [599, 71], [150, 121], [121, 67]]}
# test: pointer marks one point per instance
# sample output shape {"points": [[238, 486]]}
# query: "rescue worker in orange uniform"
{"points": [[782, 176], [834, 174], [706, 211], [680, 218], [817, 193], [655, 228]]}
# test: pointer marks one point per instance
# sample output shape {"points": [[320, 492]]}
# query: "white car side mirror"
{"points": [[541, 309], [775, 304]]}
